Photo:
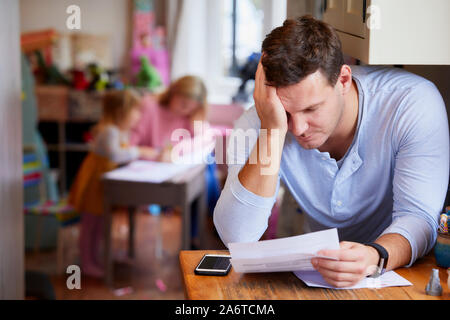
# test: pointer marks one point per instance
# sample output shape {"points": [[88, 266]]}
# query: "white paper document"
{"points": [[286, 254], [388, 279], [147, 171]]}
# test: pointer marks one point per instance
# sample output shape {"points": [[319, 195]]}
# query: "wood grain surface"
{"points": [[286, 286]]}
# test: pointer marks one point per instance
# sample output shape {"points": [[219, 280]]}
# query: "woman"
{"points": [[183, 103]]}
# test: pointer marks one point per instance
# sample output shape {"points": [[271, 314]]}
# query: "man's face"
{"points": [[314, 109]]}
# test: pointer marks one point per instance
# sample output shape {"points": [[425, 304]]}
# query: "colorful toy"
{"points": [[148, 77], [149, 40], [79, 80], [99, 77], [50, 73]]}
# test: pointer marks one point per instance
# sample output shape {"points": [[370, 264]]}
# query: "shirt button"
{"points": [[339, 203], [324, 158]]}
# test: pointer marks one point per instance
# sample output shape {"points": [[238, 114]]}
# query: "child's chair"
{"points": [[37, 205]]}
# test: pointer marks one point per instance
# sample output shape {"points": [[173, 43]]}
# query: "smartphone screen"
{"points": [[214, 265]]}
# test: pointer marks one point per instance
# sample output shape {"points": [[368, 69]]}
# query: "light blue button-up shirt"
{"points": [[393, 178]]}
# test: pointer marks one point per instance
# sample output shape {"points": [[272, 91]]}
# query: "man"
{"points": [[362, 149]]}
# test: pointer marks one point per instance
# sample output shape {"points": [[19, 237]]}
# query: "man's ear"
{"points": [[345, 78]]}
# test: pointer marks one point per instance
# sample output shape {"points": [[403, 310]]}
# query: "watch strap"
{"points": [[382, 262]]}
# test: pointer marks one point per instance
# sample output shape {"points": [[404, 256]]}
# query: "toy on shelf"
{"points": [[148, 76], [51, 74], [38, 47], [149, 41], [99, 76], [79, 80], [114, 80]]}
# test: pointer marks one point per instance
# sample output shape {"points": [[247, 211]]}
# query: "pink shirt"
{"points": [[157, 124]]}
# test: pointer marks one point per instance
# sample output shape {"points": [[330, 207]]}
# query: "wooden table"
{"points": [[286, 286], [182, 190]]}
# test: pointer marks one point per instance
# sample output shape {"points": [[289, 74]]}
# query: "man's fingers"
{"points": [[259, 80], [329, 275], [340, 284], [339, 266], [342, 254], [261, 89]]}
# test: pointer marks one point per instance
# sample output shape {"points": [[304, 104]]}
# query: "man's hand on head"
{"points": [[268, 105], [354, 262]]}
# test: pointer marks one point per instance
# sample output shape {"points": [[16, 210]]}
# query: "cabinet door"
{"points": [[334, 13], [354, 17], [346, 16]]}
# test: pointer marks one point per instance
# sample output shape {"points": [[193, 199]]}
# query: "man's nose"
{"points": [[298, 126]]}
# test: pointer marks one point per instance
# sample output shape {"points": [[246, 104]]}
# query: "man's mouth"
{"points": [[307, 138]]}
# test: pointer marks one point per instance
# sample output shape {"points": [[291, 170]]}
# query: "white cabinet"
{"points": [[392, 31], [346, 16]]}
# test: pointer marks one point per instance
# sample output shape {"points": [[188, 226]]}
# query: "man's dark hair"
{"points": [[299, 48]]}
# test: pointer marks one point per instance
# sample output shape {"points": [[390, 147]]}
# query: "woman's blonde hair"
{"points": [[187, 86], [117, 104]]}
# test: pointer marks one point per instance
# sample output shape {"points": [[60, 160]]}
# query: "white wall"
{"points": [[11, 183], [100, 17]]}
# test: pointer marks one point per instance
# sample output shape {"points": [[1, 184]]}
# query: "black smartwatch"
{"points": [[382, 262]]}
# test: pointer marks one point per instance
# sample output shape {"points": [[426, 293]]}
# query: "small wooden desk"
{"points": [[286, 286], [181, 191]]}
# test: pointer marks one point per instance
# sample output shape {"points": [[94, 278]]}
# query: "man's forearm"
{"points": [[399, 250], [260, 174]]}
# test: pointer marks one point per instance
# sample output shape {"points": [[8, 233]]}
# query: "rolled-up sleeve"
{"points": [[240, 215], [421, 171]]}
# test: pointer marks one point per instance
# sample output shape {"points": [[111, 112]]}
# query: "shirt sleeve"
{"points": [[421, 171], [240, 215], [109, 145]]}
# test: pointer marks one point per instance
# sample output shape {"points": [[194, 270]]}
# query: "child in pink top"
{"points": [[183, 103], [177, 108], [157, 124]]}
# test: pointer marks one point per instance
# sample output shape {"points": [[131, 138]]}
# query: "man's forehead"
{"points": [[307, 92]]}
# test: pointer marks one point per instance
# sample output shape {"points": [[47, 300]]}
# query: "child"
{"points": [[184, 102], [178, 107], [121, 112]]}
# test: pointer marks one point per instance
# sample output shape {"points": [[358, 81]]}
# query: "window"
{"points": [[236, 29], [243, 22]]}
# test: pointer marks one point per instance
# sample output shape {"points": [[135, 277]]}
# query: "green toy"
{"points": [[148, 77]]}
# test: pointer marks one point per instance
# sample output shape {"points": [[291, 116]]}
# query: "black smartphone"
{"points": [[213, 265]]}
